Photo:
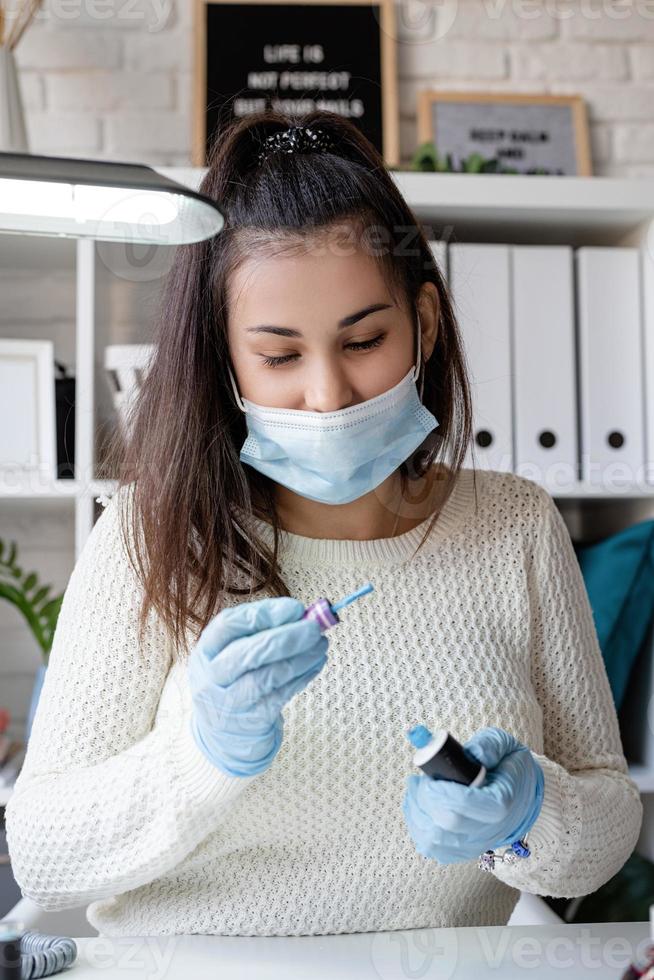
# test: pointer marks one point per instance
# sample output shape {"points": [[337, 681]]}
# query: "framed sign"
{"points": [[296, 56], [28, 447], [528, 133]]}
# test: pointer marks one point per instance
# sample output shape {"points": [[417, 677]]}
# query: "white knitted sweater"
{"points": [[489, 625]]}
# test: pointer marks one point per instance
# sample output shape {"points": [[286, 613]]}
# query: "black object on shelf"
{"points": [[65, 408]]}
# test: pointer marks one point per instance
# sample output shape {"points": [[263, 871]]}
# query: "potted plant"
{"points": [[427, 159], [40, 611]]}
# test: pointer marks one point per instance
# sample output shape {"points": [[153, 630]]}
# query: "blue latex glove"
{"points": [[451, 822], [248, 662]]}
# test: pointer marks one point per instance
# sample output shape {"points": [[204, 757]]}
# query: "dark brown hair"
{"points": [[192, 539]]}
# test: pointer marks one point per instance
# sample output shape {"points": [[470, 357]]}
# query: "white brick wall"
{"points": [[114, 77]]}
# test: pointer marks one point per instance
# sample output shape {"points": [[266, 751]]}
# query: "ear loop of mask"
{"points": [[418, 363], [235, 390], [416, 373]]}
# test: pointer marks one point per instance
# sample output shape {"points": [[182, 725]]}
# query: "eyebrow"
{"points": [[347, 321]]}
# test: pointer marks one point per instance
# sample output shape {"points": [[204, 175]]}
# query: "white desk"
{"points": [[598, 950]]}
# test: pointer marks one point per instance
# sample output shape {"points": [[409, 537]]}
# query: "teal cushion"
{"points": [[619, 576]]}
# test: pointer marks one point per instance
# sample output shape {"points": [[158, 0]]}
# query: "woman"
{"points": [[301, 431]]}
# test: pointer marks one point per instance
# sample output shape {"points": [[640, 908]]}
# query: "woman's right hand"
{"points": [[248, 662]]}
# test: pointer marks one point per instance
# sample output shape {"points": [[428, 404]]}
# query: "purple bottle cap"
{"points": [[321, 611]]}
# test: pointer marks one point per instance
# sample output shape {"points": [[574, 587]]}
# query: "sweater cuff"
{"points": [[203, 783], [547, 829], [550, 841]]}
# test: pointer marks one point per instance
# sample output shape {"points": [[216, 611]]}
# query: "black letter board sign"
{"points": [[294, 57]]}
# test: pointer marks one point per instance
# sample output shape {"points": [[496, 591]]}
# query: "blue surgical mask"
{"points": [[336, 457]]}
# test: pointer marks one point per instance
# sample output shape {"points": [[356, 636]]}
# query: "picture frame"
{"points": [[376, 96], [531, 131], [28, 447]]}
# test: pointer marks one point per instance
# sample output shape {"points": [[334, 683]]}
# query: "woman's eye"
{"points": [[274, 361], [359, 345]]}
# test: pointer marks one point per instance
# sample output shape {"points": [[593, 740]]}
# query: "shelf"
{"points": [[576, 210], [513, 208], [584, 491]]}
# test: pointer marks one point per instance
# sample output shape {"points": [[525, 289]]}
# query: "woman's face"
{"points": [[316, 331]]}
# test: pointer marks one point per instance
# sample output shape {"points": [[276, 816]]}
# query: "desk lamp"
{"points": [[108, 201]]}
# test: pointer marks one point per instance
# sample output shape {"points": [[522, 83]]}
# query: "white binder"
{"points": [[647, 269], [610, 366], [545, 385], [438, 249], [480, 286]]}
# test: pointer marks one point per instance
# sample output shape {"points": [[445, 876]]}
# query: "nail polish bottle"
{"points": [[326, 613]]}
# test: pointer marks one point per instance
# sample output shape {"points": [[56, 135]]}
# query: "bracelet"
{"points": [[518, 849]]}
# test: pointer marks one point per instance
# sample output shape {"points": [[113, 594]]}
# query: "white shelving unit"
{"points": [[498, 208], [109, 304]]}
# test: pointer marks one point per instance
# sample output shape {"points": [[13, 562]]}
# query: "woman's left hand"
{"points": [[452, 822]]}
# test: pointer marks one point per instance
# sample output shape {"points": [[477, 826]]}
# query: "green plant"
{"points": [[31, 599], [427, 158]]}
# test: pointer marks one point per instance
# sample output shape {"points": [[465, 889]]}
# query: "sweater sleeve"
{"points": [[113, 791], [592, 812]]}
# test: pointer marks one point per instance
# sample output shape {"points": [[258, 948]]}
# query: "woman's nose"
{"points": [[327, 390]]}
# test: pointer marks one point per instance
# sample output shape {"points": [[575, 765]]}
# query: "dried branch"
{"points": [[25, 15]]}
